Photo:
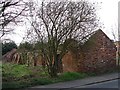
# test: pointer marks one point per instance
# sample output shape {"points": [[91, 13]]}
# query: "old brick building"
{"points": [[98, 54]]}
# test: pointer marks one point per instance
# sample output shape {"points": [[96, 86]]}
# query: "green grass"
{"points": [[12, 71], [21, 76], [67, 76]]}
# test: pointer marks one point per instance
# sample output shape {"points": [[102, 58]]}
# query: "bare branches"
{"points": [[10, 10], [57, 22]]}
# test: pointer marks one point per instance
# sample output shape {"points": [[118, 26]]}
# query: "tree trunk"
{"points": [[35, 61], [60, 67], [58, 64], [52, 72]]}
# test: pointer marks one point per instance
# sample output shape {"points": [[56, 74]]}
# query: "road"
{"points": [[107, 84], [106, 81]]}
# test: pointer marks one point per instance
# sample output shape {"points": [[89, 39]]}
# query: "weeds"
{"points": [[21, 76]]}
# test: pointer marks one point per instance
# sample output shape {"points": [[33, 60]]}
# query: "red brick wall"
{"points": [[98, 55], [70, 62]]}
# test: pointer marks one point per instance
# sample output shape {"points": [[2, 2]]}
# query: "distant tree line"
{"points": [[8, 46]]}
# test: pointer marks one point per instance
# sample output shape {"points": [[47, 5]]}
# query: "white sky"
{"points": [[108, 16]]}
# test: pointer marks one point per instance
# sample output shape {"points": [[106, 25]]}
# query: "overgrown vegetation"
{"points": [[21, 76]]}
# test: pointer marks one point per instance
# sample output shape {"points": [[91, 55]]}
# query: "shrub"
{"points": [[41, 81]]}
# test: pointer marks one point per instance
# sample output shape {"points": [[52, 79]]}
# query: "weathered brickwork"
{"points": [[69, 62], [98, 54]]}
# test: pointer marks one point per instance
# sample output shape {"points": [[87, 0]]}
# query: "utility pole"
{"points": [[118, 56]]}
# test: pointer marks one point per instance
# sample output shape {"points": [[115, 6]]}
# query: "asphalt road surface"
{"points": [[107, 84]]}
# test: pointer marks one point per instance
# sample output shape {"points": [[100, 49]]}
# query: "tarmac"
{"points": [[77, 83]]}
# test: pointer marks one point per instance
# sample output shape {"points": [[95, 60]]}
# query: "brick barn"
{"points": [[97, 54]]}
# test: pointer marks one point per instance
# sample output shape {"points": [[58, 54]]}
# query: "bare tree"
{"points": [[56, 22], [10, 10]]}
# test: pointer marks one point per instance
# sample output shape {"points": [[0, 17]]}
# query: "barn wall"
{"points": [[99, 53]]}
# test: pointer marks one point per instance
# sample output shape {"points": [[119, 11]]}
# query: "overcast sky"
{"points": [[108, 16]]}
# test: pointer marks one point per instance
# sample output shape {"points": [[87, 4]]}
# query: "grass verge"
{"points": [[20, 76]]}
